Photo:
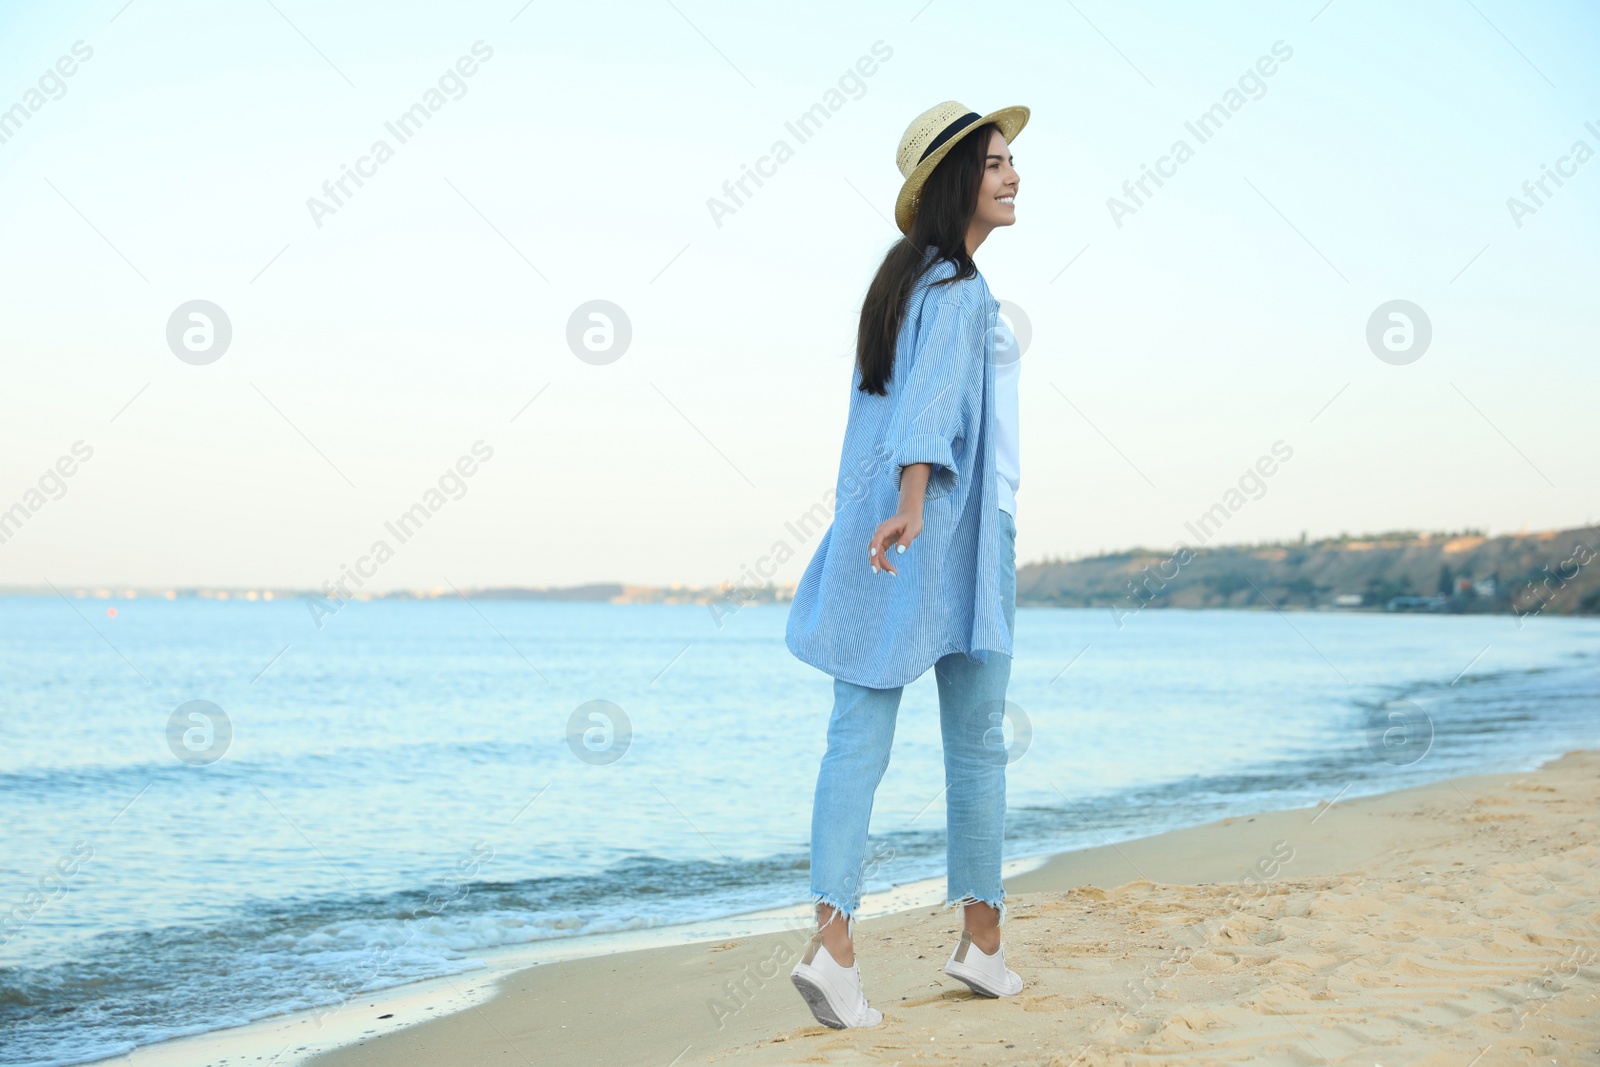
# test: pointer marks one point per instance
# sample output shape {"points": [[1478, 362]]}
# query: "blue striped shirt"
{"points": [[883, 631]]}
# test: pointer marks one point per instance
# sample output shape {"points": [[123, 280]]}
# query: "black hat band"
{"points": [[948, 132]]}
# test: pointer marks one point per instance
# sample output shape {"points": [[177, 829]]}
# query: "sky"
{"points": [[423, 337]]}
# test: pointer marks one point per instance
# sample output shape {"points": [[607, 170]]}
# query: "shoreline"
{"points": [[701, 992], [291, 1038]]}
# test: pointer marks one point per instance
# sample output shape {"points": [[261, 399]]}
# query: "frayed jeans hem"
{"points": [[839, 908], [998, 904]]}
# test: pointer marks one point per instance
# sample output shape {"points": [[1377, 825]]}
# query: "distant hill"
{"points": [[606, 591], [1554, 572]]}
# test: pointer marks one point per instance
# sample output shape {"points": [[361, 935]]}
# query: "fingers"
{"points": [[878, 554], [879, 548]]}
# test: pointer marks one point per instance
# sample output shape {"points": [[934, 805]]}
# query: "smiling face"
{"points": [[997, 195]]}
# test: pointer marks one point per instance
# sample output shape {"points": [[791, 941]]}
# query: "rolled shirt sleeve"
{"points": [[934, 399]]}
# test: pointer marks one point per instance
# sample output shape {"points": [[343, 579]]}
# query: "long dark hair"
{"points": [[949, 200]]}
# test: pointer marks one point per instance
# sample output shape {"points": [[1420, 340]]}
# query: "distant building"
{"points": [[1417, 603], [1347, 600]]}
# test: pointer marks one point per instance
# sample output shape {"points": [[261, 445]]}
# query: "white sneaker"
{"points": [[832, 992], [985, 975]]}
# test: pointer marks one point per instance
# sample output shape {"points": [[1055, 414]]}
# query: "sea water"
{"points": [[212, 811]]}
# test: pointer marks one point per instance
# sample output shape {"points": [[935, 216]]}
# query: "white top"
{"points": [[1007, 460]]}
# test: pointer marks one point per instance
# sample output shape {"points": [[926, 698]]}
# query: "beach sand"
{"points": [[1447, 925]]}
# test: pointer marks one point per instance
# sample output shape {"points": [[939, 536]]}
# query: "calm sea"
{"points": [[214, 811]]}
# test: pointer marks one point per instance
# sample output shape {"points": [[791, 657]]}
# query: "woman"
{"points": [[930, 443]]}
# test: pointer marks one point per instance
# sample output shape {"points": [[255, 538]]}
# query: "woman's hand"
{"points": [[899, 530]]}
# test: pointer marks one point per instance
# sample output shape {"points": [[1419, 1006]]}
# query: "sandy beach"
{"points": [[1455, 923]]}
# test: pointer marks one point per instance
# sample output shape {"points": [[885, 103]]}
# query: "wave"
{"points": [[124, 988]]}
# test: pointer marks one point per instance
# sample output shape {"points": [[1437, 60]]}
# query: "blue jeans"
{"points": [[860, 733]]}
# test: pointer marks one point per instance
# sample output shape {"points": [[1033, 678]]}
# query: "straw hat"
{"points": [[930, 136]]}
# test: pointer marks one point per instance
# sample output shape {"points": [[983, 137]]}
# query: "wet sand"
{"points": [[1456, 923]]}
